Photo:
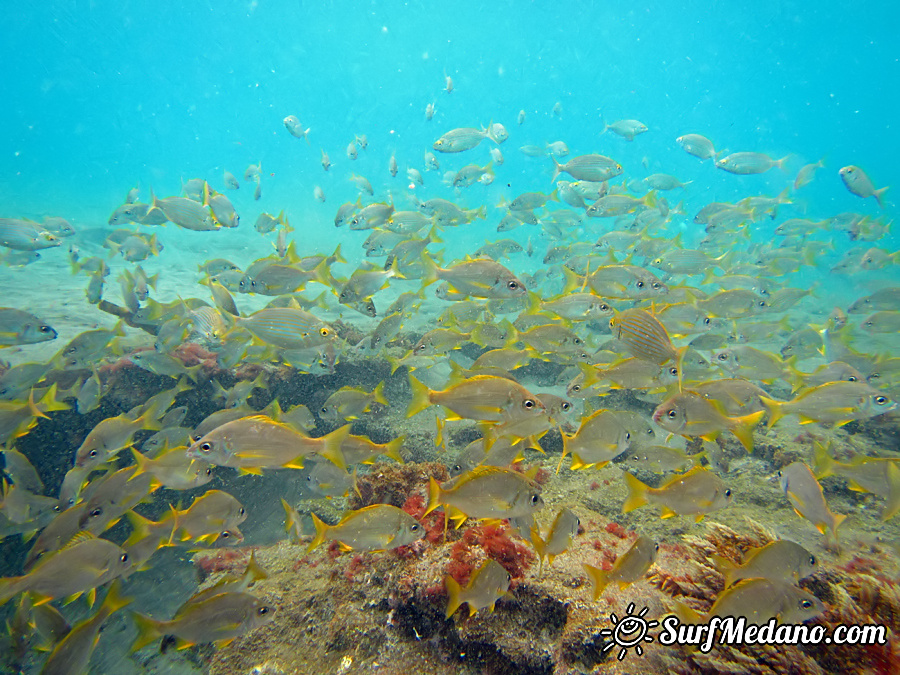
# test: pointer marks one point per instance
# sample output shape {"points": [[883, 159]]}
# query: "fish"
{"points": [[694, 493], [758, 601], [481, 397], [250, 444], [287, 328], [78, 568], [645, 337], [691, 414], [220, 619], [627, 129], [429, 112], [460, 140], [349, 403], [378, 527], [601, 438], [588, 167], [697, 145], [174, 470], [805, 495], [857, 182], [745, 163], [295, 128], [485, 492], [318, 194], [520, 119], [113, 434], [26, 235], [213, 516], [231, 181], [72, 654], [629, 567], [835, 403], [186, 213], [557, 539], [479, 278], [877, 475], [488, 583], [780, 560], [806, 173], [18, 327]]}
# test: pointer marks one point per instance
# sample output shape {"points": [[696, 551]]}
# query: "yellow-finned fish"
{"points": [[601, 438], [18, 327], [695, 493], [834, 403], [757, 601], [628, 568], [378, 527], [485, 492], [558, 537], [878, 475], [213, 516], [781, 560], [644, 336], [482, 397], [690, 414], [489, 583], [806, 497], [856, 180]]}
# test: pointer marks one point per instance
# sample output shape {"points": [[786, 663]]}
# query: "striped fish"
{"points": [[644, 335], [287, 328]]}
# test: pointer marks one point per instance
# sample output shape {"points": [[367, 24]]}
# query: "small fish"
{"points": [[482, 397], [521, 118], [877, 475], [318, 193], [781, 560], [694, 493], [690, 414], [18, 327], [746, 163], [757, 601], [348, 403], [806, 174], [231, 181], [627, 129], [805, 495], [352, 150], [393, 169], [697, 145], [295, 128], [834, 403], [485, 492], [174, 470], [186, 213], [459, 140], [287, 328], [644, 336], [480, 278], [219, 618], [629, 567], [488, 583], [601, 438], [25, 235], [558, 537], [213, 516], [378, 527], [429, 111], [257, 192], [856, 180], [588, 167]]}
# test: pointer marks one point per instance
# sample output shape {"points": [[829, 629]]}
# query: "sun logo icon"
{"points": [[629, 631]]}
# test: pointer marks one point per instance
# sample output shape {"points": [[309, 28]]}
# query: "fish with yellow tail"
{"points": [[806, 497], [835, 403], [628, 568], [694, 493], [857, 182], [489, 583], [379, 527], [689, 414], [558, 537], [482, 397], [877, 475]]}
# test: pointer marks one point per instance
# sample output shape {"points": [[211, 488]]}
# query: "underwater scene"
{"points": [[479, 338]]}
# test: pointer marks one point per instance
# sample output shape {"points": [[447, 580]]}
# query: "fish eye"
{"points": [[206, 447], [812, 560], [874, 376], [512, 285], [225, 534], [722, 357], [672, 414], [535, 499], [880, 400], [508, 578], [673, 371], [123, 558], [640, 284], [806, 604], [241, 512], [576, 387], [96, 512], [657, 285], [343, 295], [262, 610], [565, 406], [604, 307], [324, 332], [627, 435], [728, 492], [852, 378], [457, 467], [45, 329], [528, 404], [209, 471], [761, 303], [779, 474], [414, 528], [707, 321], [577, 341], [92, 453]]}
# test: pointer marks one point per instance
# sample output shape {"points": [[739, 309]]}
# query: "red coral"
{"points": [[542, 476], [222, 560], [357, 564], [862, 566], [334, 550], [494, 540], [616, 529], [595, 485], [433, 522]]}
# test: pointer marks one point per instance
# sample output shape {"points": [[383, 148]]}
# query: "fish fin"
{"points": [[637, 493], [699, 517], [457, 516], [421, 397], [254, 470], [392, 449], [319, 537], [599, 579], [687, 614], [823, 463], [838, 519], [666, 512], [149, 630], [434, 495], [725, 567], [378, 393], [774, 408], [439, 435], [744, 426], [333, 443], [454, 591]]}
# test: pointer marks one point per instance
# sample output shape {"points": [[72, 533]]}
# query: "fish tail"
{"points": [[431, 270], [599, 578], [557, 167], [837, 519], [378, 392], [392, 449], [143, 463], [823, 464], [637, 493], [743, 428], [333, 443], [725, 567], [113, 601], [148, 631], [254, 572], [686, 614], [454, 591], [319, 537], [421, 397], [892, 505], [877, 194], [434, 495], [774, 408]]}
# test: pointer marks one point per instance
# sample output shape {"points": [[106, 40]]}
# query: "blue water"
{"points": [[99, 96]]}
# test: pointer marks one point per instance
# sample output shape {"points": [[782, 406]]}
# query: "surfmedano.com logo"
{"points": [[632, 630]]}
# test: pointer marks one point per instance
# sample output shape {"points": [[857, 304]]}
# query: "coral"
{"points": [[496, 544], [221, 560], [617, 530], [433, 522], [392, 484]]}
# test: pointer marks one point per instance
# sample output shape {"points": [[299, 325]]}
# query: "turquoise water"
{"points": [[100, 97]]}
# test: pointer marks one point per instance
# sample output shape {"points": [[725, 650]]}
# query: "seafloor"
{"points": [[384, 612]]}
